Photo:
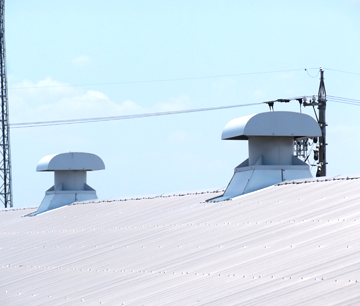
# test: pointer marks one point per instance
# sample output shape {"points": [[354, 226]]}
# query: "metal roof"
{"points": [[292, 244]]}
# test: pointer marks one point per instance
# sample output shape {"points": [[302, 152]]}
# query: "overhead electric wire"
{"points": [[349, 72], [311, 75], [343, 100], [155, 114], [162, 80], [124, 117], [183, 79], [349, 103]]}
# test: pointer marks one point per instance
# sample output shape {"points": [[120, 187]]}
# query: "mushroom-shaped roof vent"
{"points": [[71, 161], [291, 124]]}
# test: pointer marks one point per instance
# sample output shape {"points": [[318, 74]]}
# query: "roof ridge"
{"points": [[146, 197], [318, 180]]}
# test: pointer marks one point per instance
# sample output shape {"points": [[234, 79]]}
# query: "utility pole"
{"points": [[5, 162], [321, 170]]}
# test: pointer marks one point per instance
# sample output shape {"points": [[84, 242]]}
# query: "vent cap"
{"points": [[291, 124], [71, 161]]}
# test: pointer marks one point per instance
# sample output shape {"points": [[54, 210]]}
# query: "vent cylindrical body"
{"points": [[274, 150], [70, 179]]}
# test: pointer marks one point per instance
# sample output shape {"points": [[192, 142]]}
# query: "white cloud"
{"points": [[81, 60], [173, 104], [47, 86], [180, 138], [26, 96], [90, 104], [49, 99]]}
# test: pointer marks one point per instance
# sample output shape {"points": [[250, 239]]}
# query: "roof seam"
{"points": [[20, 208], [144, 198], [317, 180]]}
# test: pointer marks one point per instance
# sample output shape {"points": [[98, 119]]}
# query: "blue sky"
{"points": [[56, 43]]}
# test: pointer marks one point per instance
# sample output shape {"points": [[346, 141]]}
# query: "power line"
{"points": [[162, 80], [311, 75], [124, 117], [181, 79], [343, 71], [343, 100], [356, 104], [144, 115], [348, 103]]}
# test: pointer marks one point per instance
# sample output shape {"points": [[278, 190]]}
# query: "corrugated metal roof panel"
{"points": [[293, 244]]}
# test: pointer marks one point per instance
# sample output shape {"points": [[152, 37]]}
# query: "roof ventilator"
{"points": [[270, 138], [70, 179]]}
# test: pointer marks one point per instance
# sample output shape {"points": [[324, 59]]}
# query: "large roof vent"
{"points": [[270, 137], [70, 178]]}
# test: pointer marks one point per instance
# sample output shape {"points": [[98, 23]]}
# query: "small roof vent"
{"points": [[270, 137], [70, 179]]}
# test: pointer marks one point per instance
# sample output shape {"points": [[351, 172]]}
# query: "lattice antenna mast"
{"points": [[5, 162]]}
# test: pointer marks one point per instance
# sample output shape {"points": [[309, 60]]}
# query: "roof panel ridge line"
{"points": [[137, 198], [319, 180]]}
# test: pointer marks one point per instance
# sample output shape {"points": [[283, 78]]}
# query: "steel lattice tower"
{"points": [[5, 162]]}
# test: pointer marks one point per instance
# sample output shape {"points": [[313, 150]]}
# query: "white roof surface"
{"points": [[293, 244]]}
